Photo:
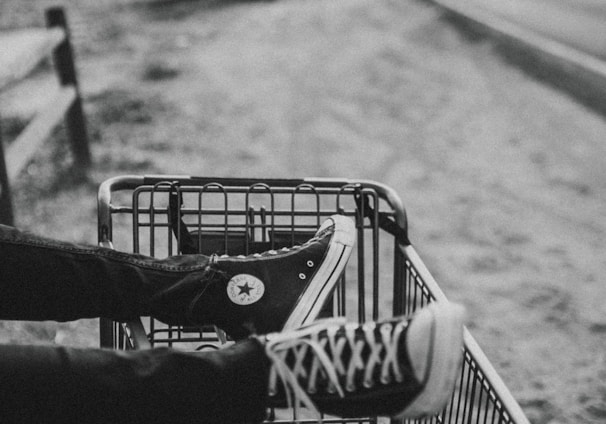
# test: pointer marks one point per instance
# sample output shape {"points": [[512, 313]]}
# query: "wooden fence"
{"points": [[21, 51]]}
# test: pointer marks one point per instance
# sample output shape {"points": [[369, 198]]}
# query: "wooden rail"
{"points": [[20, 52]]}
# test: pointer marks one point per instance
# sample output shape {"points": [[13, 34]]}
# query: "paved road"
{"points": [[577, 23]]}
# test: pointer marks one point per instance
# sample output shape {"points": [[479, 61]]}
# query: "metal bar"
{"points": [[137, 335], [399, 283], [361, 268], [375, 262]]}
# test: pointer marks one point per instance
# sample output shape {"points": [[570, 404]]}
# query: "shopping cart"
{"points": [[168, 215]]}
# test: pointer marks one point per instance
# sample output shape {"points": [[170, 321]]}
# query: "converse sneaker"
{"points": [[402, 367], [275, 290]]}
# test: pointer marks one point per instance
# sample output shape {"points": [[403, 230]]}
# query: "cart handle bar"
{"points": [[397, 226]]}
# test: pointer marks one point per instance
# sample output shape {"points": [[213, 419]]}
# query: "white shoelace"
{"points": [[383, 354]]}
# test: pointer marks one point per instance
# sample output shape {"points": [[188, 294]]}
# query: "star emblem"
{"points": [[245, 289]]}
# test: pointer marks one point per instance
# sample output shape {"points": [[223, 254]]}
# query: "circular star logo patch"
{"points": [[245, 289]]}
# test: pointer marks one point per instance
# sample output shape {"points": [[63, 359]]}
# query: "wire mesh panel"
{"points": [[169, 215]]}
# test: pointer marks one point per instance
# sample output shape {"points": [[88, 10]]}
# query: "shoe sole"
{"points": [[323, 282], [446, 356]]}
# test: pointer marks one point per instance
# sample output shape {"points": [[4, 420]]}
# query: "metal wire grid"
{"points": [[384, 277], [475, 400], [231, 220]]}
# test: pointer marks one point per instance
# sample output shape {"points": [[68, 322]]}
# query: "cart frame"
{"points": [[168, 214]]}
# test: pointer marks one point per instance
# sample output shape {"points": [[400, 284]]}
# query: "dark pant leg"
{"points": [[44, 279], [49, 384]]}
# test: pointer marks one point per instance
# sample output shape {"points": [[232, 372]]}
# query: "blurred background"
{"points": [[501, 171]]}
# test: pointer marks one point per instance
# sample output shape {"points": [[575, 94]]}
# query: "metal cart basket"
{"points": [[167, 215]]}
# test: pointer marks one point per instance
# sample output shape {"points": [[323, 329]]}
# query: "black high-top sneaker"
{"points": [[402, 367], [275, 290]]}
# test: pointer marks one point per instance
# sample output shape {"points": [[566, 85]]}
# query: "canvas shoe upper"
{"points": [[277, 289], [402, 367]]}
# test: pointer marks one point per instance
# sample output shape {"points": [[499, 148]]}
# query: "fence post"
{"points": [[64, 64], [6, 208]]}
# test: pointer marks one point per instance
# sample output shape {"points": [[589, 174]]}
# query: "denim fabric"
{"points": [[45, 279], [49, 384]]}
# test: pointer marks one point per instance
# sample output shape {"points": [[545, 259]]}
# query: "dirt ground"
{"points": [[503, 177]]}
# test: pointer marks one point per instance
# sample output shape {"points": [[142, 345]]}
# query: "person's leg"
{"points": [[404, 367], [45, 279], [48, 384]]}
